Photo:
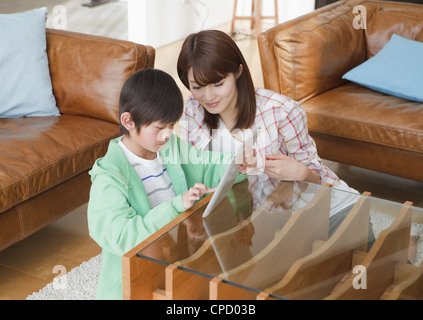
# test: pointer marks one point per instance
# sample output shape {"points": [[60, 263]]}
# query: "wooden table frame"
{"points": [[141, 277], [144, 279], [148, 279]]}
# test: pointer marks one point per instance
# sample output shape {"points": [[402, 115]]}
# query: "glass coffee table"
{"points": [[291, 240]]}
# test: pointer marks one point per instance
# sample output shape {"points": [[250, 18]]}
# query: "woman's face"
{"points": [[217, 98]]}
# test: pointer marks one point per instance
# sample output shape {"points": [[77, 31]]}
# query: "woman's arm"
{"points": [[286, 168], [298, 158]]}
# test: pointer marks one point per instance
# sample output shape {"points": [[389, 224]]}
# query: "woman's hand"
{"points": [[282, 167], [249, 162], [194, 194]]}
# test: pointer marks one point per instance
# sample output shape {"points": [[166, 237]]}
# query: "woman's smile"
{"points": [[213, 104]]}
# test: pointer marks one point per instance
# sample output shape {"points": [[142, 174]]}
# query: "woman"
{"points": [[224, 102]]}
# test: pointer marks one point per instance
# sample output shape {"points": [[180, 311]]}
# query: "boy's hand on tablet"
{"points": [[194, 194]]}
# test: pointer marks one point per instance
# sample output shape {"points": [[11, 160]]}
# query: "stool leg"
{"points": [[234, 16], [258, 17], [252, 14], [276, 13]]}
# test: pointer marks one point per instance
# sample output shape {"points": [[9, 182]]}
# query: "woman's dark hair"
{"points": [[150, 95], [212, 55]]}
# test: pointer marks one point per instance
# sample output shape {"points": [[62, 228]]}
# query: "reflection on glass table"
{"points": [[294, 241]]}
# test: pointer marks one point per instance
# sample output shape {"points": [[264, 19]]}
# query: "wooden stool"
{"points": [[255, 17]]}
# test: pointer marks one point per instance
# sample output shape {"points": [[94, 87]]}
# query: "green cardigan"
{"points": [[119, 213]]}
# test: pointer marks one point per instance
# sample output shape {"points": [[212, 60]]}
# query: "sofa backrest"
{"points": [[88, 72], [307, 56], [386, 18]]}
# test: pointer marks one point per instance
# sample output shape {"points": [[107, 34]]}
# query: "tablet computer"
{"points": [[229, 176]]}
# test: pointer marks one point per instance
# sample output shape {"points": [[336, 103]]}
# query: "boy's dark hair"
{"points": [[150, 95]]}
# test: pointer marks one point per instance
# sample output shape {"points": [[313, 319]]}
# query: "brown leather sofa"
{"points": [[305, 59], [44, 161]]}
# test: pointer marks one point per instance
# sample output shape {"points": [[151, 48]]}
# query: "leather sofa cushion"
{"points": [[37, 154], [355, 112]]}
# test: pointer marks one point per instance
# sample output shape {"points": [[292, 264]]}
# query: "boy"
{"points": [[145, 180]]}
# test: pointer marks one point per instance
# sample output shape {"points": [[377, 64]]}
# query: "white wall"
{"points": [[160, 22]]}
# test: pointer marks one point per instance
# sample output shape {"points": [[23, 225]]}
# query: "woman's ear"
{"points": [[126, 120], [241, 68]]}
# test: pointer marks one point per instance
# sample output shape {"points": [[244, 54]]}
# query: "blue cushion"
{"points": [[26, 88], [395, 70]]}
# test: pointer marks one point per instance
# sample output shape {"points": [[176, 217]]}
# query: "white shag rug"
{"points": [[81, 282], [78, 284], [381, 221]]}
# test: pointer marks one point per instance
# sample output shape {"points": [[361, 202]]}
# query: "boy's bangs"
{"points": [[173, 115]]}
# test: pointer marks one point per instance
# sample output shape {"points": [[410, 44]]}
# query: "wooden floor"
{"points": [[27, 266]]}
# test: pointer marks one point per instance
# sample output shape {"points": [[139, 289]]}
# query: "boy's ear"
{"points": [[126, 120]]}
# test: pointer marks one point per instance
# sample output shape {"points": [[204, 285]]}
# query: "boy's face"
{"points": [[149, 140]]}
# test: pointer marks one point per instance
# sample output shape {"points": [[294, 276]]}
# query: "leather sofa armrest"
{"points": [[266, 46], [88, 72], [308, 55]]}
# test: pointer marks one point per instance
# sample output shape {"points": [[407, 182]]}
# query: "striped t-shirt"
{"points": [[153, 174]]}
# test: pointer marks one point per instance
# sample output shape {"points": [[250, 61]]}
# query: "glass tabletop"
{"points": [[292, 240]]}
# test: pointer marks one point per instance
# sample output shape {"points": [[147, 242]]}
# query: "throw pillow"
{"points": [[397, 69], [26, 88]]}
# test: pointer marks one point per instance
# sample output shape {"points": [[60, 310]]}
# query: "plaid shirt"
{"points": [[282, 124]]}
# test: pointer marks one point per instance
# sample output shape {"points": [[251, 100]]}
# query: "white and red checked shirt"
{"points": [[282, 124]]}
